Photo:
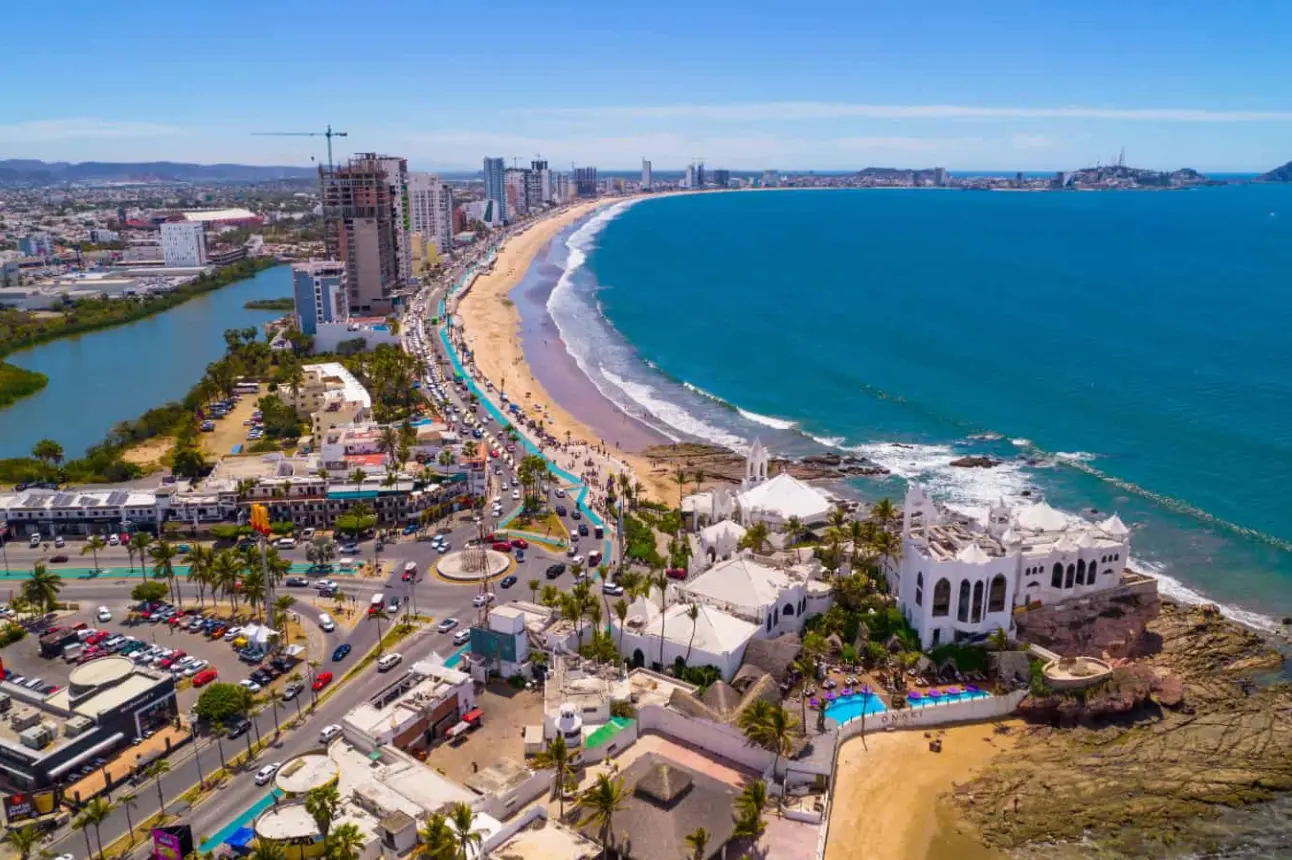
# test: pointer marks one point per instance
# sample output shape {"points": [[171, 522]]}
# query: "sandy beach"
{"points": [[492, 327], [886, 804]]}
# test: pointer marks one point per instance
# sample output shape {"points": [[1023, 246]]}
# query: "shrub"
{"points": [[11, 633]]}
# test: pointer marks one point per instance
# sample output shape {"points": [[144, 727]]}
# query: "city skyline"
{"points": [[1020, 88]]}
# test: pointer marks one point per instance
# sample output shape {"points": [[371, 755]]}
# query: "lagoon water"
{"points": [[1118, 351], [99, 379]]}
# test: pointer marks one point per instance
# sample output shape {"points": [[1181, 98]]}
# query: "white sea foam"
{"points": [[1074, 456], [1021, 443], [970, 491], [766, 420], [1173, 589], [672, 414], [828, 441]]}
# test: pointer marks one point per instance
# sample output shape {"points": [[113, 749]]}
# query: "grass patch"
{"points": [[17, 383], [270, 305]]}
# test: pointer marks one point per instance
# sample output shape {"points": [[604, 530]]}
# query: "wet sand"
{"points": [[492, 326], [886, 800]]}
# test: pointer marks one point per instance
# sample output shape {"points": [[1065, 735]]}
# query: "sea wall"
{"points": [[972, 710], [1110, 622]]}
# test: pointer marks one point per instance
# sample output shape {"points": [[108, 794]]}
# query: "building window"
{"points": [[1056, 576], [769, 623], [962, 606], [976, 615], [941, 598], [788, 611], [996, 594], [1071, 577], [1081, 571], [919, 589]]}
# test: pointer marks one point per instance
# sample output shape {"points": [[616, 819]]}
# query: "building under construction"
{"points": [[366, 226]]}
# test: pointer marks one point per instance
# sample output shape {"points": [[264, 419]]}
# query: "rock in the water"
{"points": [[975, 462]]}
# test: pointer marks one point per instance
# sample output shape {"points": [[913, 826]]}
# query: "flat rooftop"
{"points": [[552, 842], [306, 772], [287, 821]]}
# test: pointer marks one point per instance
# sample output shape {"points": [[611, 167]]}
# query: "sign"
{"points": [[172, 843], [260, 519], [20, 807]]}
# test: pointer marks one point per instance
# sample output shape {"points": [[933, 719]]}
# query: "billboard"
{"points": [[20, 807], [172, 843]]}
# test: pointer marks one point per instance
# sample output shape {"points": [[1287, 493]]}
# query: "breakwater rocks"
{"points": [[1163, 758], [726, 466]]}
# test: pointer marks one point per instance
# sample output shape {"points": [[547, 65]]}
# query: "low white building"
{"points": [[957, 579], [773, 501], [776, 600], [713, 638], [417, 712]]}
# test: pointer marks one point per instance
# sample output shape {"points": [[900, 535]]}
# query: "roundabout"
{"points": [[472, 565]]}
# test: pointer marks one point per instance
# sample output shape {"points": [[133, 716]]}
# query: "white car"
{"points": [[232, 633], [113, 540], [195, 667], [389, 661], [559, 493], [515, 494], [328, 733], [286, 543], [326, 585], [250, 685], [308, 533], [447, 624], [103, 614], [482, 599], [577, 559], [461, 637], [267, 772]]}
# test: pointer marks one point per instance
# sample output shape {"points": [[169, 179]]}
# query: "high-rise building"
{"points": [[646, 177], [939, 176], [515, 185], [431, 202], [495, 171], [722, 178], [560, 187], [699, 175], [771, 178], [544, 180], [319, 290], [688, 181], [534, 198], [184, 243], [367, 227], [585, 181], [36, 245]]}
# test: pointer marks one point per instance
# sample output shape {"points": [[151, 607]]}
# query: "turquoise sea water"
{"points": [[1119, 351]]}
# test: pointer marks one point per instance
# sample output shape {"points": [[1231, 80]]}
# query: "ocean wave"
{"points": [[1074, 456], [766, 420], [672, 414], [1173, 589], [827, 441], [1021, 443]]}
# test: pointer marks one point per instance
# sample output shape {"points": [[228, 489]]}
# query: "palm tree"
{"points": [[155, 771], [436, 840], [698, 841], [163, 556], [888, 546], [41, 591], [793, 528], [24, 840], [534, 586], [344, 843], [602, 800], [806, 667], [268, 849], [755, 537], [225, 571], [92, 546], [219, 732], [141, 541], [884, 513], [356, 476], [680, 477], [322, 804], [693, 613], [321, 551], [750, 805], [461, 818], [621, 613], [95, 813], [660, 580], [281, 614], [201, 560], [296, 678], [556, 757], [82, 824], [770, 727]]}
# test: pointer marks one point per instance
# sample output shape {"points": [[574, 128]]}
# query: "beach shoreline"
{"points": [[492, 327]]}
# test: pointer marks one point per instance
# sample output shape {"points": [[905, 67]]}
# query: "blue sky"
{"points": [[748, 85]]}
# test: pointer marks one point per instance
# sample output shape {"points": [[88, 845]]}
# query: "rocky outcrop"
{"points": [[975, 462], [724, 466], [1108, 624], [1158, 764]]}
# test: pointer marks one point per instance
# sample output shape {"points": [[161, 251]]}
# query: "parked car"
{"points": [[321, 680], [292, 690], [341, 652], [104, 614], [237, 728], [250, 684], [205, 677], [676, 573]]}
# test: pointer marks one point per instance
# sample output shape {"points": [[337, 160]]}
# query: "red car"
{"points": [[98, 637], [490, 538], [173, 659], [205, 677], [493, 452], [520, 543], [676, 573], [502, 546], [124, 538], [321, 680]]}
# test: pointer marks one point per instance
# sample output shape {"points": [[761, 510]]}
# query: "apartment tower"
{"points": [[367, 227]]}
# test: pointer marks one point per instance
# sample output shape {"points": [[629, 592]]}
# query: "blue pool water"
{"points": [[962, 696], [852, 707]]}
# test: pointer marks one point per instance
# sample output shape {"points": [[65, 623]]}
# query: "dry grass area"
{"points": [[150, 454]]}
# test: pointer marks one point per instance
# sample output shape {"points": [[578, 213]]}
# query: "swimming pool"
{"points": [[851, 707], [946, 698]]}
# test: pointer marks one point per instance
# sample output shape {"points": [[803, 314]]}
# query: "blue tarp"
{"points": [[241, 838]]}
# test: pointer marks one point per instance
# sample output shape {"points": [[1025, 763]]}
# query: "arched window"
{"points": [[769, 623], [788, 611], [941, 598], [919, 589], [1081, 571], [802, 605], [996, 594], [1072, 575], [962, 606], [1056, 576], [976, 615], [777, 615]]}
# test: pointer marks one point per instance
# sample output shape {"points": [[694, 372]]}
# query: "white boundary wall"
{"points": [[721, 740]]}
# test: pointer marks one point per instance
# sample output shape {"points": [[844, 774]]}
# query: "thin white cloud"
{"points": [[843, 110], [81, 128]]}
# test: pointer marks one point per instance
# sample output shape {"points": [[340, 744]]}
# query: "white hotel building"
{"points": [[956, 580]]}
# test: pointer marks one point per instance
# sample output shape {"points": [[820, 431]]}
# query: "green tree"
{"points": [[436, 840], [163, 555], [755, 537], [95, 813], [600, 801], [321, 551], [534, 585], [469, 839], [322, 804], [770, 727], [556, 757], [155, 771], [345, 842], [41, 591], [128, 802], [48, 452], [268, 849], [201, 566], [698, 841], [24, 840], [140, 542], [92, 547], [219, 702], [749, 808]]}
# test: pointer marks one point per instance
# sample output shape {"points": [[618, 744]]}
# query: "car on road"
{"points": [[57, 559], [113, 540], [326, 585], [482, 599], [554, 570], [104, 614], [501, 546], [560, 510], [267, 772], [410, 528], [520, 543], [515, 495], [583, 529], [508, 581], [676, 573], [292, 690], [287, 543], [237, 727], [559, 493], [612, 588], [59, 543], [389, 661], [576, 514], [203, 678], [392, 606], [461, 637], [328, 733], [446, 625], [341, 652], [35, 540], [321, 680], [297, 581], [350, 547], [576, 559]]}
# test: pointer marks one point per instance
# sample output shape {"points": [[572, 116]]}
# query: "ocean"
{"points": [[1116, 351]]}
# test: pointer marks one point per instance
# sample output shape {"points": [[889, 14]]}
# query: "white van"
{"points": [[378, 600], [326, 622]]}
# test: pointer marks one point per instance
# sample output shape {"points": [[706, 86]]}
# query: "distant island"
{"points": [[1112, 177], [31, 171], [1278, 174], [270, 305]]}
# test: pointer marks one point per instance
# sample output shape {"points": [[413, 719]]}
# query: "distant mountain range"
{"points": [[27, 171], [1278, 174]]}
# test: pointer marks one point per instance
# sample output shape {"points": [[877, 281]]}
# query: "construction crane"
{"points": [[329, 134]]}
